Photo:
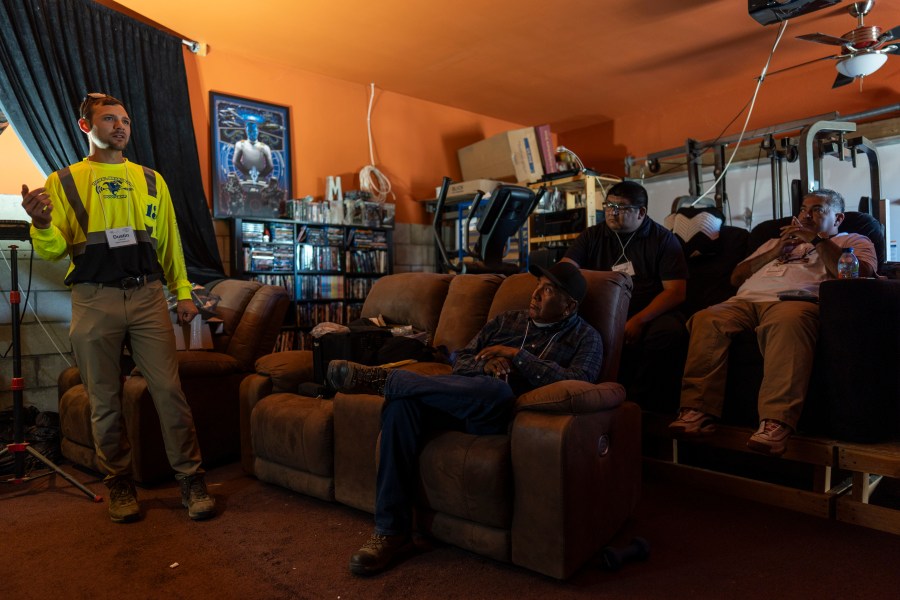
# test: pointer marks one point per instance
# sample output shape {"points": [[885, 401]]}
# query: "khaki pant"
{"points": [[787, 333], [101, 316]]}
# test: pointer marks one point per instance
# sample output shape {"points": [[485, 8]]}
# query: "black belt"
{"points": [[131, 283]]}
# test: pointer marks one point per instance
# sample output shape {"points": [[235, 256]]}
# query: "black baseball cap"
{"points": [[564, 275]]}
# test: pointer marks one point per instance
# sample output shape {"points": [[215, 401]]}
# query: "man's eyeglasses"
{"points": [[615, 208], [813, 210]]}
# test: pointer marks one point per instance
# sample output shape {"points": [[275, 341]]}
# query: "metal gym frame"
{"points": [[820, 136]]}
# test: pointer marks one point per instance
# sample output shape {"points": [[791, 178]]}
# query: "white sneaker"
{"points": [[692, 422], [771, 437]]}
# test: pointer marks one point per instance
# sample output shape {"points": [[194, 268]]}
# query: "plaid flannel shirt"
{"points": [[568, 349]]}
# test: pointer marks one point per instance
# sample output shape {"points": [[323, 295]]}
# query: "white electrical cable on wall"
{"points": [[762, 77], [370, 178], [584, 171]]}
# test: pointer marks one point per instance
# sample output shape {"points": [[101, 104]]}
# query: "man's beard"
{"points": [[110, 143]]}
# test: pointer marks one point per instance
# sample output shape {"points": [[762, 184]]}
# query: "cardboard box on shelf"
{"points": [[467, 188], [509, 156]]}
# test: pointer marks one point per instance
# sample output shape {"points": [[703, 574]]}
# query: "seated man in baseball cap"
{"points": [[513, 353]]}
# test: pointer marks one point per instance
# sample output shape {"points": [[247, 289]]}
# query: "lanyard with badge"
{"points": [[118, 237], [626, 267]]}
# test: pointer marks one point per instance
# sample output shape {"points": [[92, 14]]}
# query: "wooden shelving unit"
{"points": [[327, 269], [580, 191]]}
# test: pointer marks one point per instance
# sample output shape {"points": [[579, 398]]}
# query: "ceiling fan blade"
{"points": [[890, 34], [823, 38], [803, 64], [841, 80]]}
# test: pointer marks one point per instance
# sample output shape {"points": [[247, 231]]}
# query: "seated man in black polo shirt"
{"points": [[655, 335]]}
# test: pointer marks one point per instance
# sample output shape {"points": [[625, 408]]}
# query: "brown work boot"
{"points": [[200, 505], [346, 376], [377, 553], [123, 504]]}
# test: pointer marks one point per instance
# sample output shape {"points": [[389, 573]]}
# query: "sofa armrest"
{"points": [[197, 363], [200, 363], [68, 379], [287, 370], [276, 372], [572, 397], [211, 393], [357, 426], [253, 389], [577, 479]]}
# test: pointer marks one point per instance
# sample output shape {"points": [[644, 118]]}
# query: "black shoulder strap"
{"points": [[74, 198], [150, 175]]}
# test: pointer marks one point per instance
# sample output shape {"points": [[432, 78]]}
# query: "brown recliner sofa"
{"points": [[252, 315], [546, 497]]}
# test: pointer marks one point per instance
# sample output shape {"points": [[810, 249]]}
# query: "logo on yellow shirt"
{"points": [[113, 188]]}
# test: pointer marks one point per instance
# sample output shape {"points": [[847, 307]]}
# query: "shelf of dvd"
{"points": [[367, 257], [327, 269]]}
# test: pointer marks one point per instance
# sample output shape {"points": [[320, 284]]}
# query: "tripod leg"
{"points": [[66, 476]]}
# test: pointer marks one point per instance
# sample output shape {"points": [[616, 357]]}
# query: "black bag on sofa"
{"points": [[361, 344], [367, 345]]}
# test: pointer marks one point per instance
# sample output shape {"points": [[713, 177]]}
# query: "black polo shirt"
{"points": [[653, 250]]}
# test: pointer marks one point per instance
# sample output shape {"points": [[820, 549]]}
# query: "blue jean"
{"points": [[415, 405]]}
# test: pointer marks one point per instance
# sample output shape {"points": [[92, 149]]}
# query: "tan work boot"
{"points": [[123, 505], [377, 553], [194, 497], [346, 376]]}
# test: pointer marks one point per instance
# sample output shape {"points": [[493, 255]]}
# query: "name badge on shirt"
{"points": [[625, 267], [121, 236], [775, 270]]}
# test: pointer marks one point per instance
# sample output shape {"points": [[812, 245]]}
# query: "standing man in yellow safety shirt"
{"points": [[115, 221]]}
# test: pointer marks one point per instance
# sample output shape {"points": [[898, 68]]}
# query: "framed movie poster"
{"points": [[251, 157]]}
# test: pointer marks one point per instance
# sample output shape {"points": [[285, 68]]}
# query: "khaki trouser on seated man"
{"points": [[791, 267], [787, 334]]}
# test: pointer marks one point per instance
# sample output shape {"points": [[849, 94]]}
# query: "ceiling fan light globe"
{"points": [[861, 65]]}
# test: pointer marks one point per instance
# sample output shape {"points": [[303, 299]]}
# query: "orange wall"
{"points": [[782, 99], [415, 142], [16, 166]]}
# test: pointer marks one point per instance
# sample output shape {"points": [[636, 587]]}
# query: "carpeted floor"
{"points": [[268, 542]]}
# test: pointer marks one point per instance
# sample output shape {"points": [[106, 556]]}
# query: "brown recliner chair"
{"points": [[547, 496], [252, 315], [287, 438]]}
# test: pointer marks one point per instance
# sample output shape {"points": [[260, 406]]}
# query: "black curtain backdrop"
{"points": [[53, 52]]}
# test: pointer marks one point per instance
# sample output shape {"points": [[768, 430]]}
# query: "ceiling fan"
{"points": [[864, 50]]}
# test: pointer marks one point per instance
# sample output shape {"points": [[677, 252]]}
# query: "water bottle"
{"points": [[848, 265]]}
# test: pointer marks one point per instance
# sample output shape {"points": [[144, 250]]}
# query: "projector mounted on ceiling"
{"points": [[773, 11]]}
